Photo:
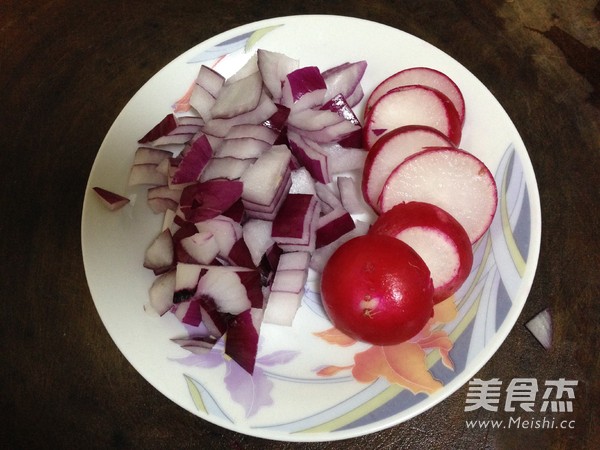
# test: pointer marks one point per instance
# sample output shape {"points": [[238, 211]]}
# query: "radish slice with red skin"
{"points": [[424, 76], [450, 178], [438, 238], [111, 200], [390, 150], [412, 105]]}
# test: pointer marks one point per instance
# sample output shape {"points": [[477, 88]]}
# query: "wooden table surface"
{"points": [[68, 67]]}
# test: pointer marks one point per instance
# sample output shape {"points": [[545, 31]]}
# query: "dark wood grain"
{"points": [[66, 70]]}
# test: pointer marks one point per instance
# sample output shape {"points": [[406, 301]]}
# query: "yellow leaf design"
{"points": [[257, 35], [402, 364]]}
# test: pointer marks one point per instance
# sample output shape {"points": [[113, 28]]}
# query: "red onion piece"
{"points": [[111, 200], [303, 88], [274, 68], [162, 128], [193, 162], [541, 328]]}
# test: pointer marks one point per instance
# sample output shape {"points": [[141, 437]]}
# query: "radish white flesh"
{"points": [[541, 328], [449, 178], [423, 76], [412, 105], [390, 150], [437, 237]]}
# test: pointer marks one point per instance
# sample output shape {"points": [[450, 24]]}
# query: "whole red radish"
{"points": [[437, 237], [377, 289]]}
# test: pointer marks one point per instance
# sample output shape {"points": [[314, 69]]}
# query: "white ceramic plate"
{"points": [[304, 387]]}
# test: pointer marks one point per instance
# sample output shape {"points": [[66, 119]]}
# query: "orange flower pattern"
{"points": [[403, 364]]}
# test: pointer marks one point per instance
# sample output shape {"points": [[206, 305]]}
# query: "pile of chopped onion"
{"points": [[252, 186]]}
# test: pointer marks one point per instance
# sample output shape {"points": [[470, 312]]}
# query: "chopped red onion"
{"points": [[541, 328]]}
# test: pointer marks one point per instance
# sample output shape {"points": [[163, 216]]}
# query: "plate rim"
{"points": [[474, 366]]}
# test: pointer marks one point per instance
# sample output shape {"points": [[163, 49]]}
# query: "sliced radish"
{"points": [[390, 150], [437, 237], [111, 200], [449, 178], [412, 105], [423, 76]]}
